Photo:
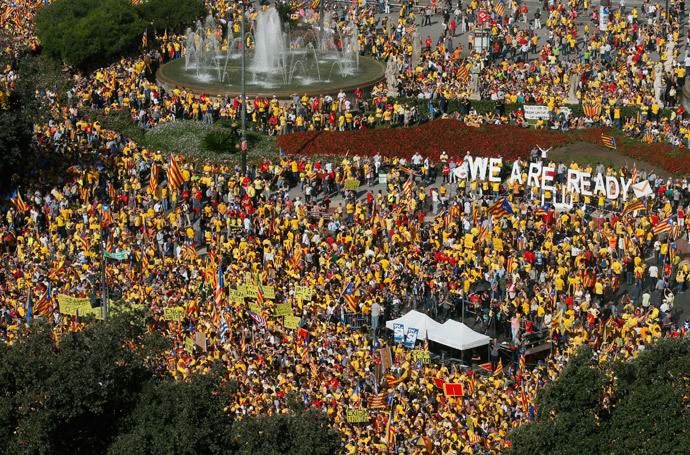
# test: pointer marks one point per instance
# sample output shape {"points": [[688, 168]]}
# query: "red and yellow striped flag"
{"points": [[175, 178]]}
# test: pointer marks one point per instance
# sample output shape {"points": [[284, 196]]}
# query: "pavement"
{"points": [[434, 30]]}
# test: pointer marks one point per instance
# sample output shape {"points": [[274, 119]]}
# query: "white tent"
{"points": [[458, 336], [416, 320]]}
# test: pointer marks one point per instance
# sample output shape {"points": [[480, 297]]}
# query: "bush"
{"points": [[487, 106], [220, 142]]}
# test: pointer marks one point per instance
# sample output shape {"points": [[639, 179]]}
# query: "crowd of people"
{"points": [[192, 233]]}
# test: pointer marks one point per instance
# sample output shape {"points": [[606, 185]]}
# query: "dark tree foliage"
{"points": [[105, 390], [90, 33], [18, 110], [645, 409]]}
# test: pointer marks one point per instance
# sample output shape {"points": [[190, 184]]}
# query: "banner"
{"points": [[173, 314], [250, 290], [303, 292], [122, 255], [200, 340], [291, 322], [398, 333], [357, 415], [282, 309], [452, 390], [269, 292], [70, 305], [235, 296], [541, 112], [255, 308], [189, 345], [419, 355], [352, 184], [411, 337], [386, 358]]}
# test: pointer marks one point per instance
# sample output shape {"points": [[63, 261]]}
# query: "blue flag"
{"points": [[28, 310]]}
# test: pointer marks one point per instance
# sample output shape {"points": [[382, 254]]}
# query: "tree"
{"points": [[301, 433], [18, 109], [178, 417], [105, 390], [70, 397], [90, 33], [171, 14], [640, 407]]}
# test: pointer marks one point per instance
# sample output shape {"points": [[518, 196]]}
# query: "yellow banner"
{"points": [[291, 322], [282, 309], [173, 314], [303, 292], [357, 415], [72, 305]]}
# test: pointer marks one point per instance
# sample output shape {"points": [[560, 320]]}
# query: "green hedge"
{"points": [[487, 106]]}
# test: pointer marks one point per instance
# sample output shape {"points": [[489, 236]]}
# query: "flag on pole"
{"points": [[145, 38], [523, 353], [609, 141], [220, 285], [381, 400], [175, 178], [223, 328], [501, 208], [499, 368], [390, 431], [153, 179], [18, 201], [259, 319], [407, 188], [635, 174], [28, 309], [349, 297]]}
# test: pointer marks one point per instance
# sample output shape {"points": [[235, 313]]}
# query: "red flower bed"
{"points": [[675, 160], [430, 139], [456, 139]]}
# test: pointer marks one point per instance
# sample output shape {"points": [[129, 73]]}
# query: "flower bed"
{"points": [[430, 139], [456, 139]]}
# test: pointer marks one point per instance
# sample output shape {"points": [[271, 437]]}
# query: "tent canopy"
{"points": [[452, 333], [416, 320], [458, 336]]}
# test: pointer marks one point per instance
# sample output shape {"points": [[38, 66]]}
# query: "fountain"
{"points": [[280, 63]]}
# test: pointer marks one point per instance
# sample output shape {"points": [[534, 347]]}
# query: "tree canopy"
{"points": [[88, 33], [639, 406], [18, 109], [105, 390]]}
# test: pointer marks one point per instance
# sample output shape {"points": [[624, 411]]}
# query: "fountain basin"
{"points": [[175, 75]]}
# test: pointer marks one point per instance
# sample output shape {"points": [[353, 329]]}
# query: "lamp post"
{"points": [[244, 94]]}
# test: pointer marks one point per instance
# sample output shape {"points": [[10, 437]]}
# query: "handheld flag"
{"points": [[18, 202], [635, 206], [501, 208], [175, 178], [500, 8], [609, 141], [499, 368], [153, 179]]}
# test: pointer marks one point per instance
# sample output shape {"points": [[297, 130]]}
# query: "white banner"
{"points": [[537, 112]]}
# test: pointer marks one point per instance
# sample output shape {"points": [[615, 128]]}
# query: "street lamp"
{"points": [[244, 93]]}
